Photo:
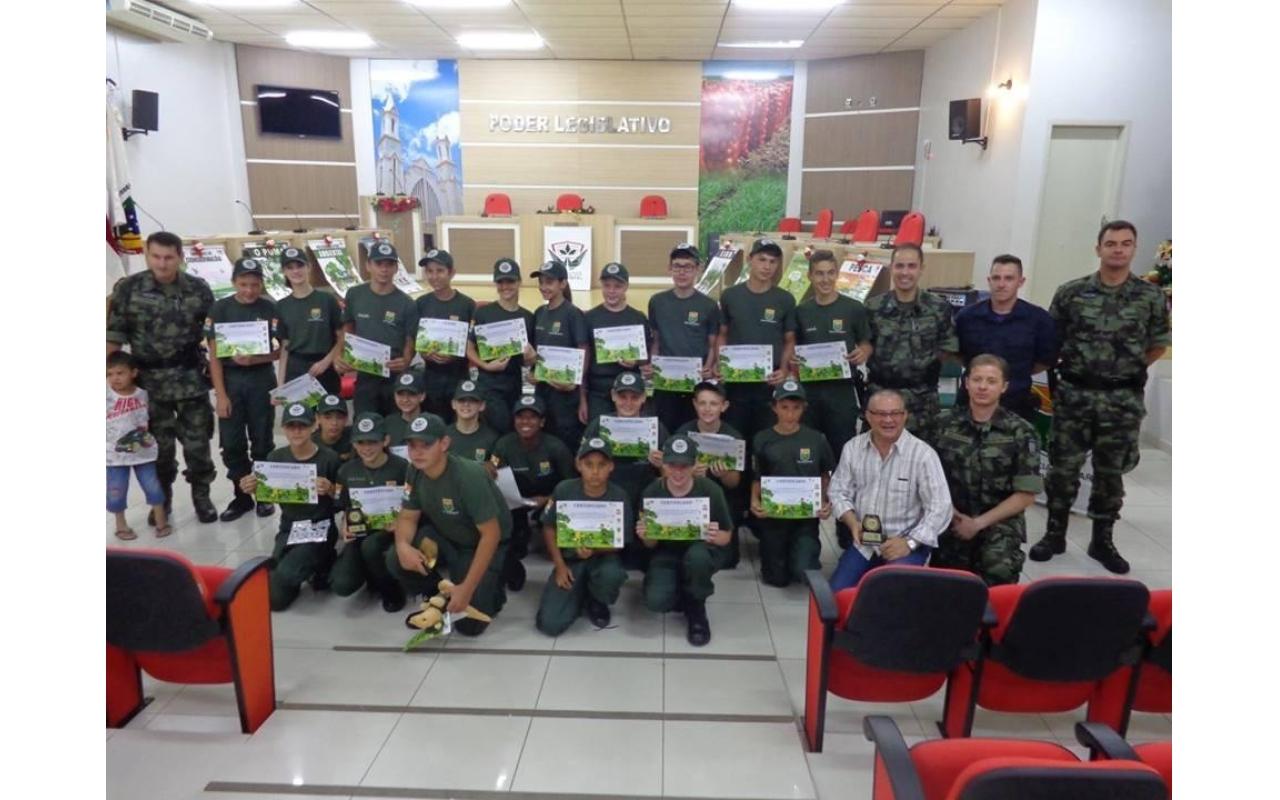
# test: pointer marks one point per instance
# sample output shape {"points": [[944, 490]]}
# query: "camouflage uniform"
{"points": [[907, 338], [163, 325], [985, 463]]}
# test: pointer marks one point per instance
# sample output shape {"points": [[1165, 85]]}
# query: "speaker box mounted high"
{"points": [[146, 110], [965, 119]]}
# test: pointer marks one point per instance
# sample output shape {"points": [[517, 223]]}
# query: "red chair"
{"points": [[1151, 689], [1105, 743], [653, 206], [1055, 642], [911, 231], [184, 623], [893, 638], [789, 225], [866, 228], [569, 202], [497, 205], [1000, 769], [347, 388], [822, 229]]}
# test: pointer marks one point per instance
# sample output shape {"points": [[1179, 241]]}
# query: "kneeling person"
{"points": [[583, 576]]}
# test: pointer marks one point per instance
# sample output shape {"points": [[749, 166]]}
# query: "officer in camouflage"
{"points": [[992, 463], [160, 315], [911, 331], [1113, 325]]}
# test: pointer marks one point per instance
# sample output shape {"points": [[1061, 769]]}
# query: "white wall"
{"points": [[189, 173], [362, 128]]}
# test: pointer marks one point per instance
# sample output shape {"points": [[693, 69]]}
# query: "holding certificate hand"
{"points": [[383, 315], [312, 320], [446, 367], [620, 335], [561, 324]]}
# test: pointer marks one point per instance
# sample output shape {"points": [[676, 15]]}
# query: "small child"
{"points": [[130, 444], [469, 436], [709, 405], [333, 432], [409, 395], [584, 577]]}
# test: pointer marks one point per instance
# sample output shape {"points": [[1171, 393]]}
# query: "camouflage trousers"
{"points": [[995, 554], [1106, 422], [922, 410], [189, 420]]}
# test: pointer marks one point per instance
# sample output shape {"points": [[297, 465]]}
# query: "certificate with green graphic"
{"points": [[380, 504], [211, 264], [746, 363], [717, 449], [630, 437], [676, 373], [272, 274], [242, 338], [442, 337], [335, 263], [284, 483], [505, 339], [826, 361], [676, 519], [303, 389], [790, 498], [559, 364], [366, 355], [620, 343], [594, 524]]}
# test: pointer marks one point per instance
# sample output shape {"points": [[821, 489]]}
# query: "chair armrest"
{"points": [[1100, 738], [227, 590], [1149, 623], [893, 750], [989, 617], [822, 595]]}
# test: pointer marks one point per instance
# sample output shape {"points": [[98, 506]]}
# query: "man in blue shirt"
{"points": [[1021, 333]]}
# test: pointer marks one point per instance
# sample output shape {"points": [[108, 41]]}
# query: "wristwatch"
{"points": [[912, 544]]}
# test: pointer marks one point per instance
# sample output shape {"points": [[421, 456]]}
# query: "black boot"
{"points": [[168, 505], [240, 505], [205, 512], [1055, 538], [264, 509], [695, 614], [598, 613], [1103, 550], [514, 574]]}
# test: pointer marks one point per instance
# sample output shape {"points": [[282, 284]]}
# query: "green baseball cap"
{"points": [[383, 251], [411, 381], [552, 269], [298, 413], [529, 402], [628, 382], [467, 390], [789, 388], [332, 404], [441, 257], [246, 266], [292, 254], [506, 269], [368, 427], [685, 250], [767, 246], [615, 271], [426, 428], [595, 445], [680, 450]]}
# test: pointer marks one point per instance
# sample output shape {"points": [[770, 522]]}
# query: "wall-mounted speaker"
{"points": [[145, 115], [965, 119]]}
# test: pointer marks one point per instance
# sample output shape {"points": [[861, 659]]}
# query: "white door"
{"points": [[1081, 187]]}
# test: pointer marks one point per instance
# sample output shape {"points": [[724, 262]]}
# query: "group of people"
{"points": [[919, 484]]}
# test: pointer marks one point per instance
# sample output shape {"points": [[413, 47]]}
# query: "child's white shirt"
{"points": [[129, 439]]}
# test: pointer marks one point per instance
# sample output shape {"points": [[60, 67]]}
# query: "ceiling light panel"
{"points": [[330, 40]]}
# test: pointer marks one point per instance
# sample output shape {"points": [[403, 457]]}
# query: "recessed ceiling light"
{"points": [[249, 4], [786, 6], [334, 40], [790, 44], [458, 5], [500, 40]]}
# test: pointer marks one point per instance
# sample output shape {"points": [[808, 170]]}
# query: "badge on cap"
{"points": [[766, 242], [249, 263], [790, 386], [505, 266], [365, 425], [432, 253], [468, 386], [685, 246], [679, 446], [406, 379], [628, 379], [596, 442], [332, 400], [527, 400], [419, 425], [297, 409], [612, 269], [384, 249]]}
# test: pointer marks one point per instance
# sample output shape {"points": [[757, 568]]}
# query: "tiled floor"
{"points": [[623, 711]]}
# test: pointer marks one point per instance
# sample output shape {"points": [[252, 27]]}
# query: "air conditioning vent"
{"points": [[156, 22]]}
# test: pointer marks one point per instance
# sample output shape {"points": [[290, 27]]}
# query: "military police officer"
{"points": [[160, 315]]}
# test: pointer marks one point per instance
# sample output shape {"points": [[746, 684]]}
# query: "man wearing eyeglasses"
{"points": [[890, 491], [685, 324]]}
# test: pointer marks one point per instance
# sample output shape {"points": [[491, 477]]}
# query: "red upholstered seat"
{"points": [[789, 225], [569, 202], [347, 386], [653, 206], [497, 205], [1158, 756], [822, 229], [911, 231], [866, 228]]}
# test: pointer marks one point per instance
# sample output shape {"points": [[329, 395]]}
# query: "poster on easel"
{"points": [[570, 245], [404, 281], [335, 264], [858, 278], [268, 252], [714, 274], [795, 278], [210, 263]]}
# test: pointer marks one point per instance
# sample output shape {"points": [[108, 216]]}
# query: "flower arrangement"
{"points": [[395, 203], [1161, 273]]}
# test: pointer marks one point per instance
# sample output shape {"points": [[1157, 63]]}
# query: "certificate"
{"points": [[272, 274], [366, 355], [401, 450], [827, 361], [746, 363], [559, 364], [305, 531], [714, 273], [595, 524], [676, 519], [719, 449], [335, 263], [795, 279], [380, 505], [505, 339], [620, 343], [791, 498], [442, 337], [676, 374], [211, 264], [506, 482], [280, 482], [303, 389], [630, 437], [242, 338]]}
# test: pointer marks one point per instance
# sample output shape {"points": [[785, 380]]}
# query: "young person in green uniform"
{"points": [[709, 405], [364, 554], [312, 319], [829, 316], [584, 578], [679, 575], [242, 384], [612, 313], [380, 312], [332, 432], [560, 323], [758, 312], [788, 547], [442, 373], [538, 461], [684, 323], [500, 379], [298, 562], [452, 502], [409, 395], [469, 436]]}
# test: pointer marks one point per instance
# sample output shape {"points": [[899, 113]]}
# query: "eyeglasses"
{"points": [[888, 414]]}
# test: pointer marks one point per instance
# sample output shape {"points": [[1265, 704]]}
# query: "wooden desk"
{"points": [[477, 242]]}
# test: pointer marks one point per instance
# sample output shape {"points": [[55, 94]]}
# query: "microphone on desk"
{"points": [[297, 219], [257, 231]]}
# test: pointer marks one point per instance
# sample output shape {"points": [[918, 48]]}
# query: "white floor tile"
{"points": [[734, 759], [320, 620], [591, 756], [349, 677], [603, 684], [481, 680], [845, 716], [310, 748], [450, 752], [165, 764], [737, 628], [788, 628], [725, 687], [633, 629], [844, 769]]}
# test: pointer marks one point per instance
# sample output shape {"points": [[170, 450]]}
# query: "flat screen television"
{"points": [[299, 112]]}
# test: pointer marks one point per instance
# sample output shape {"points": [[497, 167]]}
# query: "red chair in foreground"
{"points": [[569, 202], [911, 231], [1151, 689], [789, 225], [1001, 769], [184, 623], [497, 205], [822, 228], [653, 206], [895, 637], [866, 228], [1055, 642], [1104, 743]]}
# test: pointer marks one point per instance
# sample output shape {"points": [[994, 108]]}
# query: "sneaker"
{"points": [[240, 505], [264, 509], [1051, 545], [598, 613], [699, 627]]}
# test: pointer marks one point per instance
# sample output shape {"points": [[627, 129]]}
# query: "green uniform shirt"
{"points": [[389, 319], [600, 376], [163, 325], [803, 454], [492, 312], [311, 322], [762, 318], [986, 462], [459, 308], [845, 320], [458, 501], [907, 338], [537, 470], [565, 326], [342, 447], [327, 466], [228, 309], [355, 475], [632, 473], [396, 427], [572, 490], [476, 446], [702, 487], [683, 325], [1107, 330]]}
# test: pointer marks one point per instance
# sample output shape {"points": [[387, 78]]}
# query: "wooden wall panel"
{"points": [[301, 188], [848, 193], [862, 140], [619, 203], [893, 78], [279, 67], [581, 167], [579, 80], [294, 148]]}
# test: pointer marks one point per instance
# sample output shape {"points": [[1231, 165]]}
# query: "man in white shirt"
{"points": [[891, 483]]}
